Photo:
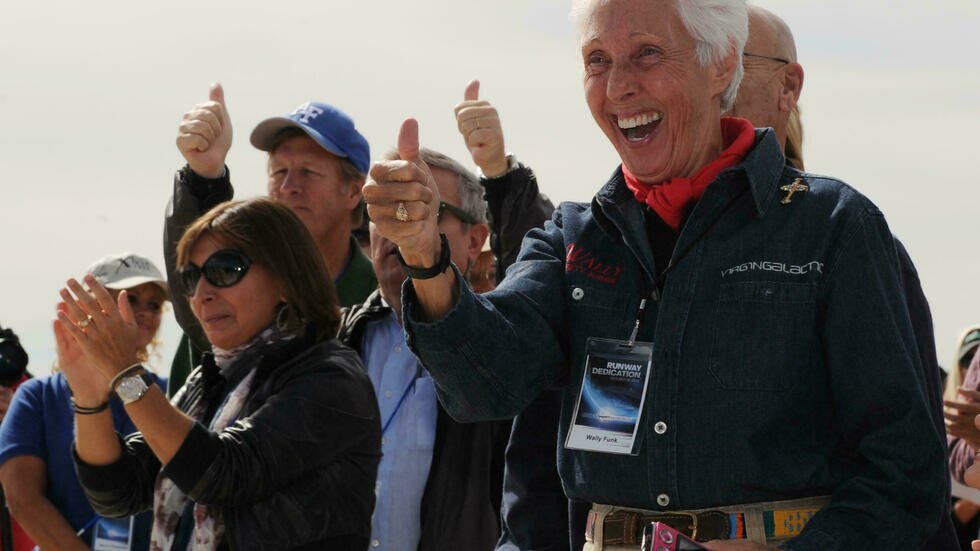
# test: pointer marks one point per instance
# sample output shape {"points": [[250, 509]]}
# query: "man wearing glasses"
{"points": [[439, 481]]}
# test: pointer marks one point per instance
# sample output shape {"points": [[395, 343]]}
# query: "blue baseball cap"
{"points": [[328, 126]]}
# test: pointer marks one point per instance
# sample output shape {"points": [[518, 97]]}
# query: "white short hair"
{"points": [[715, 25]]}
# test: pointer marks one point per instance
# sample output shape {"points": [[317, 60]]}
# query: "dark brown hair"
{"points": [[271, 235]]}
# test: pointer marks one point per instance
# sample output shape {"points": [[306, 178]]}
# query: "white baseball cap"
{"points": [[125, 271]]}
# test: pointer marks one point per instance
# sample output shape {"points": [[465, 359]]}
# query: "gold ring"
{"points": [[477, 123], [401, 213], [85, 322]]}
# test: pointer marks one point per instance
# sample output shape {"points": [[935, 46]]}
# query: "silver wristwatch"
{"points": [[132, 388]]}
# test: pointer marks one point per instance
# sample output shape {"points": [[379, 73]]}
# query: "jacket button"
{"points": [[375, 543], [578, 293], [663, 500], [660, 427]]}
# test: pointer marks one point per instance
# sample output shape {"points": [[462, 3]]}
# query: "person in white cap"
{"points": [[36, 437]]}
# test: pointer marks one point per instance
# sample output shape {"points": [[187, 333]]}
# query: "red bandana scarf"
{"points": [[670, 199]]}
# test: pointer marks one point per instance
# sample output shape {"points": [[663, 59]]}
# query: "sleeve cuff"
{"points": [[435, 334], [102, 478], [512, 165], [194, 457], [209, 191]]}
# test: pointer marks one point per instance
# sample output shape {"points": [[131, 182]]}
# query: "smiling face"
{"points": [[232, 316], [657, 105], [310, 181]]}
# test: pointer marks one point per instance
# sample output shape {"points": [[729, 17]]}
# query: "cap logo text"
{"points": [[307, 111]]}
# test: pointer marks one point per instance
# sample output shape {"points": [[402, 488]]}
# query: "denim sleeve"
{"points": [[492, 354], [876, 385]]}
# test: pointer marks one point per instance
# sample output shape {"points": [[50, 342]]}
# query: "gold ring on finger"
{"points": [[85, 322], [401, 213]]}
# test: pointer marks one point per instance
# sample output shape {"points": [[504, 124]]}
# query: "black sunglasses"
{"points": [[464, 216], [222, 269]]}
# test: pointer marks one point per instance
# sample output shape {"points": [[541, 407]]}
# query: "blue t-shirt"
{"points": [[40, 422]]}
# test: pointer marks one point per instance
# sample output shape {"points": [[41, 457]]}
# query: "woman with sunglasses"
{"points": [[36, 439], [274, 441]]}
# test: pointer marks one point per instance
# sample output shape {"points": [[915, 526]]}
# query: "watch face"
{"points": [[131, 389]]}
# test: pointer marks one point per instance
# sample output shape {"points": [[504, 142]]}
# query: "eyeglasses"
{"points": [[222, 269], [779, 59], [464, 216]]}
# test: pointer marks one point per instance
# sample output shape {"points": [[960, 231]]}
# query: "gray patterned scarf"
{"points": [[169, 501]]}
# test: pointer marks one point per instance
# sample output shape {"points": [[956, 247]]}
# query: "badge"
{"points": [[610, 404], [112, 534]]}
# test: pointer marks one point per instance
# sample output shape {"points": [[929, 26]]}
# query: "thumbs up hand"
{"points": [[403, 201], [479, 124], [204, 135]]}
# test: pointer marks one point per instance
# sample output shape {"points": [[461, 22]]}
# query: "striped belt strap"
{"points": [[760, 522]]}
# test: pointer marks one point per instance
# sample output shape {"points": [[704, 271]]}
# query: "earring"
{"points": [[282, 317]]}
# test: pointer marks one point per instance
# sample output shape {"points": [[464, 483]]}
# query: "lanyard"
{"points": [[398, 406], [88, 525], [662, 278]]}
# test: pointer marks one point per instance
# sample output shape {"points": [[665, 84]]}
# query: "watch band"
{"points": [[415, 272]]}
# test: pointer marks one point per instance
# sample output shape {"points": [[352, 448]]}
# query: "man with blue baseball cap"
{"points": [[317, 165]]}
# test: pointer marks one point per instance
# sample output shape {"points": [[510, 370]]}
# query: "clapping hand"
{"points": [[104, 329], [961, 423]]}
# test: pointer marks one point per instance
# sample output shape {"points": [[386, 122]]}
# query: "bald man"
{"points": [[773, 78], [768, 97]]}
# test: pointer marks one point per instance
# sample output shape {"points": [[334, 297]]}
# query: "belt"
{"points": [[757, 521], [626, 527]]}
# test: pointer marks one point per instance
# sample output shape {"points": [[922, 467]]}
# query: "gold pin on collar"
{"points": [[797, 185]]}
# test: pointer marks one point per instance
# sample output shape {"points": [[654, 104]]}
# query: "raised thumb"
{"points": [[472, 92], [408, 140], [217, 93]]}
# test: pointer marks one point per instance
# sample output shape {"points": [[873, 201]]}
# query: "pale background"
{"points": [[91, 94]]}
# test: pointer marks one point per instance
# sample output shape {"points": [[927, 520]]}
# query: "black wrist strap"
{"points": [[431, 272], [82, 410]]}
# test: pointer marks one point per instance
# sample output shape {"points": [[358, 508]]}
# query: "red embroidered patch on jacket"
{"points": [[584, 261]]}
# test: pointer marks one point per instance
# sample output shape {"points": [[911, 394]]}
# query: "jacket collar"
{"points": [[762, 167]]}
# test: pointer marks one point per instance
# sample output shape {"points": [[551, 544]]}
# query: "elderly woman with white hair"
{"points": [[729, 333]]}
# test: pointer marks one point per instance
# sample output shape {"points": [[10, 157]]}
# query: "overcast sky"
{"points": [[91, 94]]}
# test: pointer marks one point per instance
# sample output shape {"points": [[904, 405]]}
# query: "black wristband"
{"points": [[82, 410], [431, 272]]}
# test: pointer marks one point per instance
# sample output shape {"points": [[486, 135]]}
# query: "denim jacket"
{"points": [[784, 364]]}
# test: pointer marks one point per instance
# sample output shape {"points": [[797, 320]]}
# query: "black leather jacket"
{"points": [[296, 471], [461, 504]]}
